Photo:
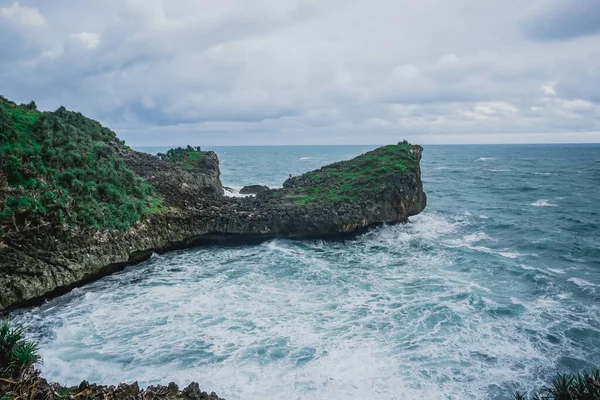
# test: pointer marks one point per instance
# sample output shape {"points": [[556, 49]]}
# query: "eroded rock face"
{"points": [[171, 181], [383, 186]]}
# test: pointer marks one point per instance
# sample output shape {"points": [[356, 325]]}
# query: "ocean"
{"points": [[494, 287]]}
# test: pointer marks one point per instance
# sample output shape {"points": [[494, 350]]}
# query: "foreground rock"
{"points": [[35, 387]]}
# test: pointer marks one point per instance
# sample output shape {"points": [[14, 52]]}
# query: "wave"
{"points": [[234, 191], [557, 271], [429, 225], [469, 240], [582, 283], [509, 254], [305, 158], [487, 158], [543, 203]]}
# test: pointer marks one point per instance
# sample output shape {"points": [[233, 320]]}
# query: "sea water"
{"points": [[494, 287]]}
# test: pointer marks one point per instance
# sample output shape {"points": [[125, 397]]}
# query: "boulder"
{"points": [[253, 189]]}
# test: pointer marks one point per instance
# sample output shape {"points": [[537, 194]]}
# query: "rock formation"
{"points": [[44, 253]]}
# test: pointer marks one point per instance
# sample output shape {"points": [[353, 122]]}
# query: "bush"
{"points": [[583, 386], [17, 355], [189, 158], [65, 168]]}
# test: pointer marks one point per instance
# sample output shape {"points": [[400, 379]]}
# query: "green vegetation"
{"points": [[63, 168], [583, 386], [17, 357], [16, 354], [189, 158], [353, 180]]}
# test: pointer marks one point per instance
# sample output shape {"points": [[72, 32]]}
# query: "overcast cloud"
{"points": [[172, 72]]}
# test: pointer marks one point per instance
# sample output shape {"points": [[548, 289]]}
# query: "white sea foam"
{"points": [[429, 225], [509, 254], [543, 203], [581, 283], [529, 268], [305, 158], [557, 271], [487, 158], [235, 192], [468, 240]]}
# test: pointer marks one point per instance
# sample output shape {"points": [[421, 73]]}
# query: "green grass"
{"points": [[356, 179], [155, 206], [63, 168]]}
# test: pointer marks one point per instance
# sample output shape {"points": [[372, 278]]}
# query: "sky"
{"points": [[293, 72]]}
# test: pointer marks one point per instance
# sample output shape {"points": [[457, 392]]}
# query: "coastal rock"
{"points": [[341, 199], [174, 182], [78, 204], [38, 388], [382, 186], [254, 189]]}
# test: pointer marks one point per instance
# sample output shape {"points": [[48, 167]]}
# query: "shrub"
{"points": [[189, 158], [583, 386], [66, 169], [16, 353]]}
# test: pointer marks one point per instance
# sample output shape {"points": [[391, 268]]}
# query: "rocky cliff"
{"points": [[49, 249]]}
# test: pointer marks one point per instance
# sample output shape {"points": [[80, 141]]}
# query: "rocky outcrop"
{"points": [[382, 186], [170, 179], [253, 189]]}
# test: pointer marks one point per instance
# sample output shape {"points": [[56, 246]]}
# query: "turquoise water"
{"points": [[496, 286]]}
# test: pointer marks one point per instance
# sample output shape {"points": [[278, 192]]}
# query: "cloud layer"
{"points": [[311, 71]]}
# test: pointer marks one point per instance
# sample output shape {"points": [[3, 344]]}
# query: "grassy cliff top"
{"points": [[357, 179], [63, 168], [188, 157]]}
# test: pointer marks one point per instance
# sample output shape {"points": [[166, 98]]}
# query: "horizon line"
{"points": [[356, 145]]}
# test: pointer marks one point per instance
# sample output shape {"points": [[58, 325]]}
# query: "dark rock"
{"points": [[128, 392], [37, 388], [193, 392], [254, 189], [173, 388]]}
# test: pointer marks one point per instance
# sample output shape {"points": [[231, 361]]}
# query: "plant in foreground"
{"points": [[583, 386], [17, 355]]}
